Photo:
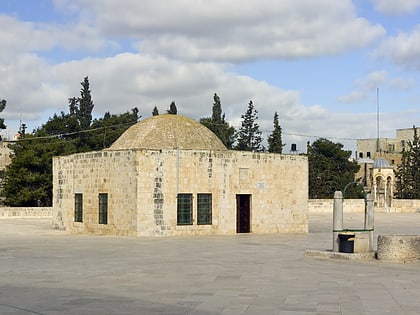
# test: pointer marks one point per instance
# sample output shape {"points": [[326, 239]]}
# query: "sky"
{"points": [[327, 67]]}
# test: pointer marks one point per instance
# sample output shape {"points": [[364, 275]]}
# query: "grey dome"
{"points": [[381, 163]]}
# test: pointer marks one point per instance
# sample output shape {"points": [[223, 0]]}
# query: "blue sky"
{"points": [[317, 63]]}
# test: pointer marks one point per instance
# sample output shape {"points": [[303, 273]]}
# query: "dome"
{"points": [[381, 163], [168, 132]]}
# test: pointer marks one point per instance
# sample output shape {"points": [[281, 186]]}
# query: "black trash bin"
{"points": [[346, 243]]}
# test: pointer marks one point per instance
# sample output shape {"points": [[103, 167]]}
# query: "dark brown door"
{"points": [[243, 213]]}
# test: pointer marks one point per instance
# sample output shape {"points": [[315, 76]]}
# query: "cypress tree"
{"points": [[275, 142]]}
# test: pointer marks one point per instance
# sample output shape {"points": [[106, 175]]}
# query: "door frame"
{"points": [[243, 213]]}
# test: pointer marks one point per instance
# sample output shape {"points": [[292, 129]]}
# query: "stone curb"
{"points": [[338, 255]]}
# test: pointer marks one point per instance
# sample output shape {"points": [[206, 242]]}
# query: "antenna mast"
{"points": [[377, 120]]}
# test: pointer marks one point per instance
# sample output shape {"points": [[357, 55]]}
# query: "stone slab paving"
{"points": [[44, 271]]}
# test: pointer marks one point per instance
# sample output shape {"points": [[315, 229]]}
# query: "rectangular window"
{"points": [[203, 209], [78, 207], [184, 209], [103, 208]]}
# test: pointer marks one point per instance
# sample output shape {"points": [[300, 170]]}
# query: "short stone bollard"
{"points": [[398, 248]]}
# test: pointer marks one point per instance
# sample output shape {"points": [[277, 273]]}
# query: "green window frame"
{"points": [[184, 209], [204, 209], [78, 207], [103, 208]]}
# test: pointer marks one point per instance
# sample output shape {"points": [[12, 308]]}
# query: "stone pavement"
{"points": [[44, 271]]}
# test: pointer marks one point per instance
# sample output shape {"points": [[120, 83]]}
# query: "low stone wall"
{"points": [[405, 206], [399, 248], [326, 205], [358, 205], [25, 212]]}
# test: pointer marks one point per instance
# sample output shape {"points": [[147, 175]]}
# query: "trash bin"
{"points": [[346, 244]]}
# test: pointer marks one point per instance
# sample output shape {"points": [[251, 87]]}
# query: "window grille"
{"points": [[184, 209], [103, 208], [78, 207], [204, 208]]}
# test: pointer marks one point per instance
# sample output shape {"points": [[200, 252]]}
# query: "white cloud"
{"points": [[18, 37], [392, 7], [403, 49], [364, 88], [233, 30]]}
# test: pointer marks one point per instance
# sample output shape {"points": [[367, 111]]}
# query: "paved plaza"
{"points": [[45, 271]]}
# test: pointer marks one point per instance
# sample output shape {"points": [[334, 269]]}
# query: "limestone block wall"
{"points": [[277, 185], [25, 212], [357, 205], [326, 205], [111, 172]]}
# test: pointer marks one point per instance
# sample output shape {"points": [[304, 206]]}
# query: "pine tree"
{"points": [[249, 135], [155, 111], [407, 175], [172, 109], [275, 142], [218, 125], [2, 107]]}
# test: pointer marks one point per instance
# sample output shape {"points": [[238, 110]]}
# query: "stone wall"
{"points": [[110, 172], [277, 185], [357, 205], [143, 186], [25, 212]]}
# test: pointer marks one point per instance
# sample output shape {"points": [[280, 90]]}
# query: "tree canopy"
{"points": [[275, 142], [2, 107], [218, 124], [249, 134], [407, 175], [172, 109], [330, 169], [28, 179]]}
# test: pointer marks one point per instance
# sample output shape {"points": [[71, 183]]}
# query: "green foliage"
{"points": [[218, 125], [106, 130], [28, 179], [407, 175], [84, 111], [249, 135], [330, 169], [275, 142], [172, 109], [2, 107]]}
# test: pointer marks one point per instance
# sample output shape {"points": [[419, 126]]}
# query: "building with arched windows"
{"points": [[383, 183], [170, 175]]}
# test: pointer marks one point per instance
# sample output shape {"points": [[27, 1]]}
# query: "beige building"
{"points": [[170, 175], [377, 159], [388, 148]]}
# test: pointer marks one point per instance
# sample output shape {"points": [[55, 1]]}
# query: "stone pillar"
{"points": [[337, 219], [369, 218]]}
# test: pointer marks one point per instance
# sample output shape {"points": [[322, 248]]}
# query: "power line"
{"points": [[62, 135]]}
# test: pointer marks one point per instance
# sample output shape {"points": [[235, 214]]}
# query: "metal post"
{"points": [[369, 219], [337, 219]]}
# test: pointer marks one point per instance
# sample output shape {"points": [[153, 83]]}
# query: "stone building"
{"points": [[388, 148], [377, 159], [170, 175]]}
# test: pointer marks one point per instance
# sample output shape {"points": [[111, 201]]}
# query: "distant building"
{"points": [[378, 158], [170, 175]]}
